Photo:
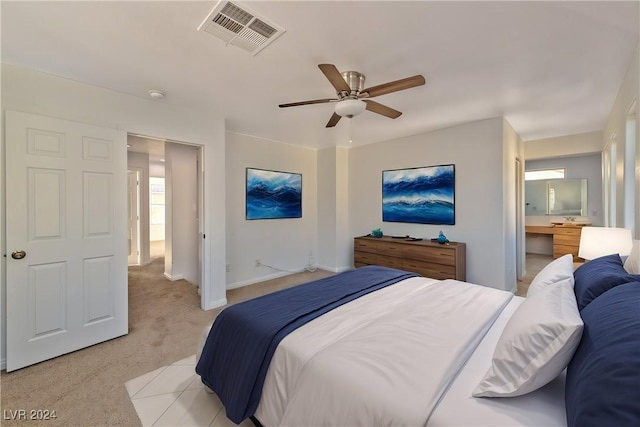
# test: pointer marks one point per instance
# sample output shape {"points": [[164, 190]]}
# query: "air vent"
{"points": [[240, 26]]}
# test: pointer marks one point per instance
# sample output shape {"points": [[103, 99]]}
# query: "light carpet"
{"points": [[86, 388]]}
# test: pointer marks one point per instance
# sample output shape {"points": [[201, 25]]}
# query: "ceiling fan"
{"points": [[352, 99]]}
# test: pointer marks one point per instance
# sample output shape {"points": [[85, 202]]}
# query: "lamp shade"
{"points": [[600, 241], [350, 107]]}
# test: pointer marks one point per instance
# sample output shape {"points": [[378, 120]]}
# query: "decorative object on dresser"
{"points": [[566, 236], [424, 257], [442, 239], [376, 233]]}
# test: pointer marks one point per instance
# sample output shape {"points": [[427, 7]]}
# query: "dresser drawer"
{"points": [[363, 245], [424, 257], [567, 231], [566, 239], [559, 250], [364, 258], [444, 255], [389, 261], [389, 249], [426, 269]]}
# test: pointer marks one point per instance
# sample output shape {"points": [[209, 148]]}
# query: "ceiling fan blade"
{"points": [[376, 107], [395, 86], [335, 78], [314, 101], [333, 120]]}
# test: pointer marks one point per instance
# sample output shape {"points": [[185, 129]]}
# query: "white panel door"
{"points": [[66, 237]]}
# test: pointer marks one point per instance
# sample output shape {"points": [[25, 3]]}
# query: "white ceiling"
{"points": [[551, 68]]}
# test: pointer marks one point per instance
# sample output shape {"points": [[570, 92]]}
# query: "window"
{"points": [[544, 174], [156, 191]]}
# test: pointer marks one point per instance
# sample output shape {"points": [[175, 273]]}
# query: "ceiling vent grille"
{"points": [[240, 26]]}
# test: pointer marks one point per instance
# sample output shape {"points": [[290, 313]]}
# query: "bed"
{"points": [[418, 351]]}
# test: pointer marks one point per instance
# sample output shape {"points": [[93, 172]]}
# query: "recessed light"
{"points": [[156, 94]]}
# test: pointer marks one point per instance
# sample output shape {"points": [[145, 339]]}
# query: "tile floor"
{"points": [[174, 396]]}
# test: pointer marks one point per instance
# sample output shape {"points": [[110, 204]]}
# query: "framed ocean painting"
{"points": [[424, 195], [273, 194]]}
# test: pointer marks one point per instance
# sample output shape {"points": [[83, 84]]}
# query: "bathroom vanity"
{"points": [[566, 236]]}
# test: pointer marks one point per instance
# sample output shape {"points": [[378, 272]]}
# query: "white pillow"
{"points": [[557, 270], [632, 264], [536, 344]]}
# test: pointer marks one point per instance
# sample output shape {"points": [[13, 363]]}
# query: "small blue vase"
{"points": [[442, 239]]}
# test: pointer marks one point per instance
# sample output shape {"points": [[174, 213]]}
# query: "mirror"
{"points": [[563, 197]]}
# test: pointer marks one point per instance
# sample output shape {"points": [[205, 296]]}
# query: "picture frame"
{"points": [[421, 195], [273, 194]]}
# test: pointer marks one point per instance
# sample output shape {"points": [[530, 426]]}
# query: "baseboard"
{"points": [[215, 304], [3, 365], [174, 277], [335, 269], [260, 279], [282, 274]]}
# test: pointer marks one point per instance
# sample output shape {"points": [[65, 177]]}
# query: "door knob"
{"points": [[18, 254]]}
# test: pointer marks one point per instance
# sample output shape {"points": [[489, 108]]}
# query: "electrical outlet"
{"points": [[258, 264], [228, 268]]}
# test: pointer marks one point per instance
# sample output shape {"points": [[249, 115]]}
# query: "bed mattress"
{"points": [[384, 359]]}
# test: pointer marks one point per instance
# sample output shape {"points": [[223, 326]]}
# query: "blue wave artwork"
{"points": [[419, 195], [272, 195]]}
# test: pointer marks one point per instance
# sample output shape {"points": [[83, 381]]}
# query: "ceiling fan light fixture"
{"points": [[350, 107]]}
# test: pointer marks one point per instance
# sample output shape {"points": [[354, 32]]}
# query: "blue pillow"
{"points": [[603, 377], [597, 276]]}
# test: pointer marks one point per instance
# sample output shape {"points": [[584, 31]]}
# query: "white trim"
{"points": [[3, 364], [215, 304], [262, 279], [173, 277], [335, 269]]}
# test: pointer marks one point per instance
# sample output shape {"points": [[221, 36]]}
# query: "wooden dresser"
{"points": [[566, 237], [430, 259]]}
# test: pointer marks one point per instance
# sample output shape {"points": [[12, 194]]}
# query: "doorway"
{"points": [[133, 216], [520, 240], [169, 198]]}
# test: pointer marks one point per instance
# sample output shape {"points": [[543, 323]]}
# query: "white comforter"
{"points": [[383, 359]]}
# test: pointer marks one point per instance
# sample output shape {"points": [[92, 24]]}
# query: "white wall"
{"points": [[333, 209], [140, 162], [476, 149], [327, 207], [616, 125], [38, 93], [181, 210], [156, 169], [569, 145], [281, 243], [514, 256]]}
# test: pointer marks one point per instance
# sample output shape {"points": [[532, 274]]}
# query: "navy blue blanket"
{"points": [[243, 338]]}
